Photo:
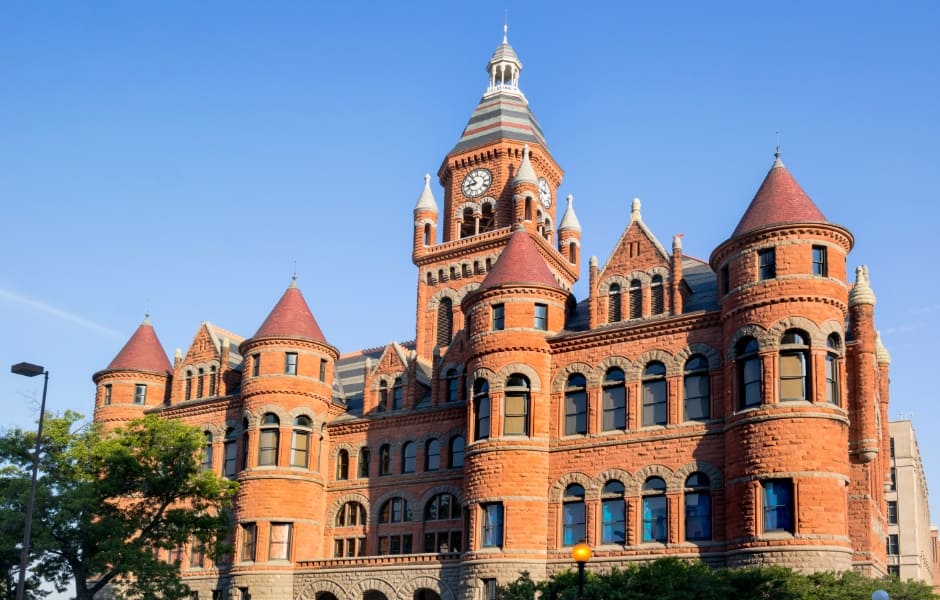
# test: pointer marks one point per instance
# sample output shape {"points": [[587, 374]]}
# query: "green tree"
{"points": [[105, 502]]}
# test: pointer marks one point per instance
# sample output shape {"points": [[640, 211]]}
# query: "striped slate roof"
{"points": [[779, 200], [500, 115], [143, 352]]}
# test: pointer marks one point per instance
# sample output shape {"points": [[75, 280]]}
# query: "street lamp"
{"points": [[30, 370], [880, 595], [581, 553]]}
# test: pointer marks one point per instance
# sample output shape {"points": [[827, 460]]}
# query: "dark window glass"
{"points": [[255, 365], [614, 303], [140, 394], [696, 389], [442, 507], [492, 524], [698, 508], [395, 510], [613, 514], [397, 394], [188, 394], [573, 515], [432, 455], [365, 457], [654, 394], [657, 295], [636, 299], [408, 457], [778, 505], [893, 545], [385, 460], [456, 451], [833, 367], [614, 400], [383, 396], [576, 405], [541, 317], [290, 363], [499, 317], [892, 512], [342, 465], [230, 466], [453, 386], [481, 406], [820, 261], [654, 510], [749, 373], [249, 539], [766, 264], [445, 321]]}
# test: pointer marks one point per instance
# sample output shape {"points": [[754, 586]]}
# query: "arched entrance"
{"points": [[374, 595], [326, 596], [426, 594]]}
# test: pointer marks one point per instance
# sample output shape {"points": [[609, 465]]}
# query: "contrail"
{"points": [[56, 312]]}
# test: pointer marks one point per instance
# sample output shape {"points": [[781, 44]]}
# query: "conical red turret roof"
{"points": [[520, 263], [143, 352], [779, 200], [290, 318]]}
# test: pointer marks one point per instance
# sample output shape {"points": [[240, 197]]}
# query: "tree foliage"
{"points": [[105, 502], [673, 579]]}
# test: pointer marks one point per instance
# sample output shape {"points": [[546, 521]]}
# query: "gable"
{"points": [[636, 250]]}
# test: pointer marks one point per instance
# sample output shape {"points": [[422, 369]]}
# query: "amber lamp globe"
{"points": [[581, 553]]}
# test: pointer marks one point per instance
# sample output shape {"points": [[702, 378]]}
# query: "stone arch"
{"points": [[440, 489], [275, 409], [466, 291], [793, 322], [653, 355], [425, 221], [473, 206], [411, 586], [394, 493], [373, 584], [557, 490], [605, 365], [435, 300], [643, 276], [828, 328], [662, 271], [604, 288], [613, 475], [535, 380], [755, 331], [311, 589], [696, 466], [480, 373], [339, 502], [350, 450], [652, 471], [215, 430], [712, 355], [561, 378], [487, 201]]}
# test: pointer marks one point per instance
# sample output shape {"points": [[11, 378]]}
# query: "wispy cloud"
{"points": [[56, 312], [902, 328]]}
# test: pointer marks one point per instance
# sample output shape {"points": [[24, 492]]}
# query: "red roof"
{"points": [[143, 352], [290, 318], [779, 200], [520, 263]]}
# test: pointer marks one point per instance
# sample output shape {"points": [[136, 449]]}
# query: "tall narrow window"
{"points": [[456, 451], [725, 280], [487, 219], [212, 382], [397, 394], [541, 317], [200, 382], [654, 510], [572, 529], [383, 396], [385, 460], [300, 442], [636, 299], [492, 524], [481, 409], [140, 393], [268, 440], [279, 542], [290, 363], [445, 321], [698, 508], [778, 505], [188, 393], [432, 455], [207, 452], [892, 512], [893, 545], [820, 261], [249, 539], [342, 465], [614, 303], [365, 457], [244, 444], [408, 457], [654, 394], [323, 363], [613, 514], [107, 394], [576, 405], [255, 365], [516, 415], [749, 372], [453, 385], [657, 296], [395, 510], [499, 317], [833, 364], [614, 400], [696, 388], [766, 264], [231, 453], [794, 358]]}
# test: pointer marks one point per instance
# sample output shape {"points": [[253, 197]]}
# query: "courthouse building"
{"points": [[731, 410]]}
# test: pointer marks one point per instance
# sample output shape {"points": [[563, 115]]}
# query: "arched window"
{"points": [[408, 457], [188, 393], [481, 409], [244, 444], [453, 386], [516, 413], [385, 459], [300, 442], [383, 396], [613, 514], [614, 400], [572, 527], [467, 223], [794, 359], [654, 394], [427, 234], [749, 372], [351, 514], [445, 321], [614, 304], [268, 440], [200, 382], [696, 388], [456, 451], [365, 457], [654, 510], [576, 405], [432, 455], [657, 295], [207, 452], [397, 394], [833, 368], [442, 507], [394, 510], [230, 448], [342, 465], [636, 299], [698, 508], [572, 253], [487, 219], [212, 381]]}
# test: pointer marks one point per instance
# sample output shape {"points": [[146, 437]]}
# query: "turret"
{"points": [[425, 213], [569, 235]]}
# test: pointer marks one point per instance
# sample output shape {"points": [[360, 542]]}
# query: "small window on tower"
{"points": [[499, 317], [140, 394], [290, 363], [820, 261], [766, 264]]}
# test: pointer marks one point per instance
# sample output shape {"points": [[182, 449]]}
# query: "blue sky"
{"points": [[182, 157]]}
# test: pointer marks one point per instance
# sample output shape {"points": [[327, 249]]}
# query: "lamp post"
{"points": [[880, 595], [581, 553], [30, 370]]}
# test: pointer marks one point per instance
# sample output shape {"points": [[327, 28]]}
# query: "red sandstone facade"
{"points": [[732, 411]]}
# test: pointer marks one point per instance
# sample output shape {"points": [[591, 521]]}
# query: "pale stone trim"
{"points": [[561, 378], [636, 372], [653, 471], [557, 491]]}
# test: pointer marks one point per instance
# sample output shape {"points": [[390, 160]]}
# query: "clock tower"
{"points": [[499, 175]]}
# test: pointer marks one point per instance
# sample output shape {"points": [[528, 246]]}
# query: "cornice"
{"points": [[629, 331]]}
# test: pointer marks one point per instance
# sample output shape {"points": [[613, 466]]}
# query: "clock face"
{"points": [[545, 192], [476, 182]]}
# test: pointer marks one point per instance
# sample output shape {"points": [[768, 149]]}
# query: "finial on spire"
{"points": [[777, 161], [506, 27], [147, 317], [293, 276], [635, 210]]}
